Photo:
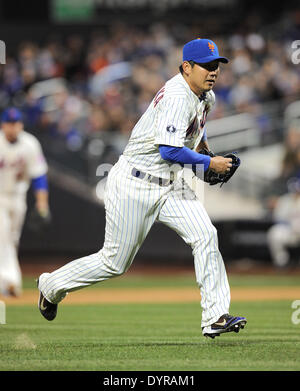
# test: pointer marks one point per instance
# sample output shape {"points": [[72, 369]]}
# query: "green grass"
{"points": [[146, 338]]}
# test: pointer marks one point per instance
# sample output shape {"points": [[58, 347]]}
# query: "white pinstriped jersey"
{"points": [[175, 117], [19, 163]]}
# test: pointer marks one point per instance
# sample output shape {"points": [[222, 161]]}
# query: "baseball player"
{"points": [[285, 232], [144, 186], [21, 161]]}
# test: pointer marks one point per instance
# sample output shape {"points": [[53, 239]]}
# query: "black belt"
{"points": [[151, 178]]}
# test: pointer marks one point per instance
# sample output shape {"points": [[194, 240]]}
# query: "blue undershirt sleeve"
{"points": [[40, 183], [183, 155]]}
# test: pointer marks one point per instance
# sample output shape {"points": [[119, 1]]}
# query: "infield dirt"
{"points": [[160, 295]]}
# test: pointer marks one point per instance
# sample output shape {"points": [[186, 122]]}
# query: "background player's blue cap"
{"points": [[11, 115], [202, 50]]}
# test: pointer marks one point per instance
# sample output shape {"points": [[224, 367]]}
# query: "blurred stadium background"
{"points": [[83, 72]]}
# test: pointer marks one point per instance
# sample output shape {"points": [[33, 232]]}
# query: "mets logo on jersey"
{"points": [[171, 129], [211, 46]]}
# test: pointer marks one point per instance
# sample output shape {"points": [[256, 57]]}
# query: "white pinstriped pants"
{"points": [[132, 206], [12, 214]]}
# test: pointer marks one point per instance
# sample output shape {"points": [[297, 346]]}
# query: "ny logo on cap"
{"points": [[211, 46]]}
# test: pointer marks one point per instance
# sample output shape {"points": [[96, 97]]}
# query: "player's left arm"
{"points": [[40, 216], [37, 168], [41, 191], [210, 101], [203, 144]]}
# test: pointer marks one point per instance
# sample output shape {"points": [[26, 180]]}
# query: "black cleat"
{"points": [[47, 309], [225, 324]]}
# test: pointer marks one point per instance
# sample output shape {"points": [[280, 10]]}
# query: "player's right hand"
{"points": [[220, 164]]}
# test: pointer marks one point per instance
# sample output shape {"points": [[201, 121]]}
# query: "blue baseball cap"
{"points": [[202, 50], [11, 115]]}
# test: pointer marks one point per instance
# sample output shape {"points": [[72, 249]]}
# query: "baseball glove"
{"points": [[38, 222], [213, 178]]}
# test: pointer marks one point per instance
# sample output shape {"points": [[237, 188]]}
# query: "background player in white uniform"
{"points": [[143, 187], [285, 232], [21, 161]]}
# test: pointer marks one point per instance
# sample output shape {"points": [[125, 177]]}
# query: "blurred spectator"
{"points": [[291, 157], [285, 232], [290, 166], [74, 58]]}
